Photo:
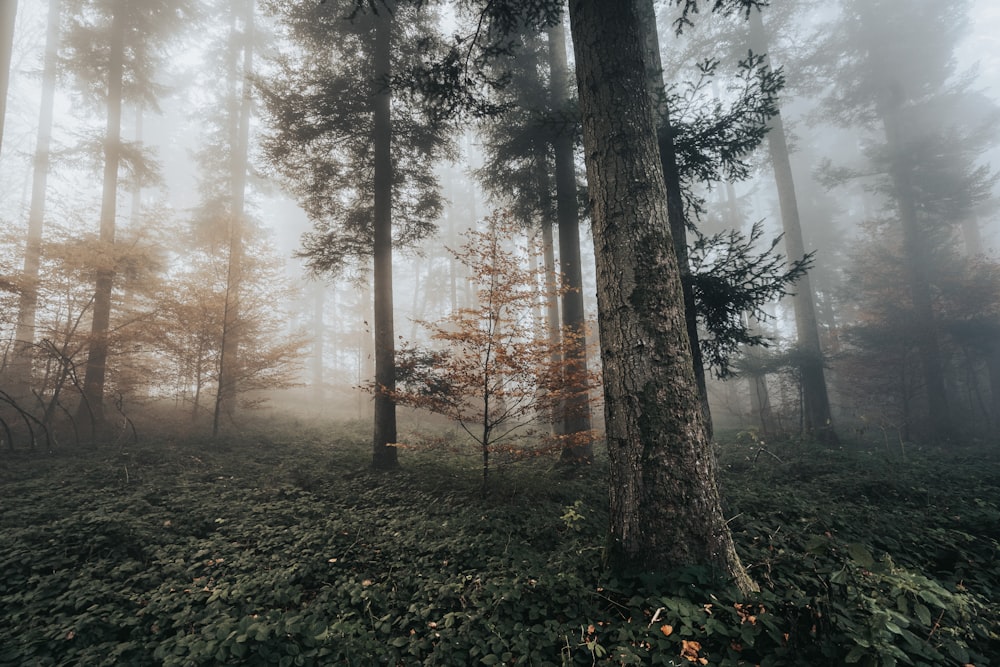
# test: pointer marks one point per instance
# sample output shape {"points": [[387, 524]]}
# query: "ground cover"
{"points": [[282, 548]]}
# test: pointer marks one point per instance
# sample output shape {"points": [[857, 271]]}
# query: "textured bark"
{"points": [[229, 360], [576, 413], [8, 16], [675, 198], [92, 405], [25, 333], [815, 399], [915, 265], [384, 454], [665, 506]]}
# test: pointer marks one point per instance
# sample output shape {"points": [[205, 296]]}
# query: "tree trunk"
{"points": [[576, 421], [229, 359], [319, 335], [675, 198], [550, 288], [384, 455], [916, 262], [665, 506], [25, 335], [92, 405], [816, 401], [8, 17]]}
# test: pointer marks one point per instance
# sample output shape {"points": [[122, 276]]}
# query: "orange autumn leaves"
{"points": [[691, 649]]}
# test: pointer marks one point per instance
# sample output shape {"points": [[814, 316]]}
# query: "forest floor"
{"points": [[285, 549]]}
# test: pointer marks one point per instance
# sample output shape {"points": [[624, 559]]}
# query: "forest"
{"points": [[499, 332]]}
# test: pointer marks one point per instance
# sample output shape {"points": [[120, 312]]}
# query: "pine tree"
{"points": [[358, 163]]}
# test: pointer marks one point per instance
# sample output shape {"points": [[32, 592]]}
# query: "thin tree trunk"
{"points": [[8, 17], [576, 419], [675, 199], [319, 334], [229, 359], [665, 508], [816, 401], [25, 336], [384, 455], [97, 360]]}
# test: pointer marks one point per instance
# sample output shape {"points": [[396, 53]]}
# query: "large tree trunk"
{"points": [[25, 333], [916, 261], [675, 198], [92, 405], [576, 422], [665, 506], [229, 360], [384, 455], [8, 16], [815, 399]]}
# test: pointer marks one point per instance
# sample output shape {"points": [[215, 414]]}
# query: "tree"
{"points": [[240, 110], [665, 506], [896, 82], [27, 307], [498, 372], [358, 163], [102, 50], [188, 323], [700, 144], [8, 14], [577, 411], [530, 152], [816, 402]]}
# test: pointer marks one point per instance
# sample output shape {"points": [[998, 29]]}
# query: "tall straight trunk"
{"points": [[25, 333], [815, 399], [229, 359], [8, 17], [675, 198], [665, 510], [916, 261], [319, 335], [576, 420], [384, 455], [550, 287], [760, 400], [92, 405]]}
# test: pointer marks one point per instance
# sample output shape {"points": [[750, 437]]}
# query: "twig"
{"points": [[768, 452]]}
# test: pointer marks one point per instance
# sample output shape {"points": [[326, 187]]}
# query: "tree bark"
{"points": [[675, 198], [815, 399], [576, 420], [92, 405], [27, 308], [8, 17], [665, 506], [384, 455]]}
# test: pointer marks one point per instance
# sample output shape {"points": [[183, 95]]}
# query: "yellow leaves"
{"points": [[667, 629]]}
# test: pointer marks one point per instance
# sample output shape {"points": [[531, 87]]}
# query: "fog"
{"points": [[196, 242]]}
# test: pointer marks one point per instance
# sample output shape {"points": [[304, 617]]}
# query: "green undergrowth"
{"points": [[288, 550]]}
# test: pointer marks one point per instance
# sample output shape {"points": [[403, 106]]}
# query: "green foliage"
{"points": [[274, 551]]}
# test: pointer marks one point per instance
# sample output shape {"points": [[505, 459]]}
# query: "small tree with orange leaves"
{"points": [[495, 371]]}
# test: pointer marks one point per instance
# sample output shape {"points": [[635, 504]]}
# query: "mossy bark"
{"points": [[665, 505]]}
